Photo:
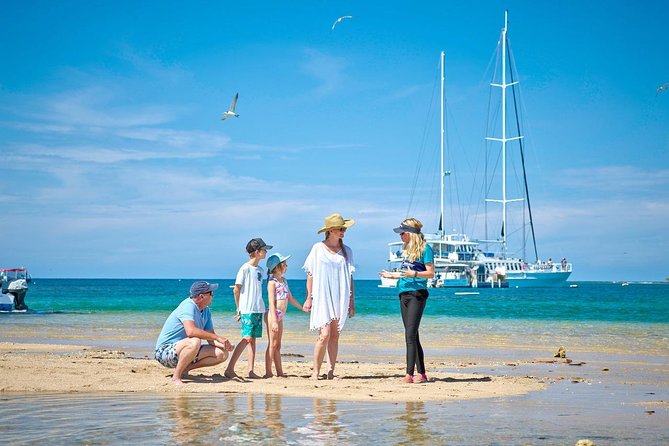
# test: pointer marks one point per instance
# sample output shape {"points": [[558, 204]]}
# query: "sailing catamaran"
{"points": [[454, 253], [514, 269], [462, 262]]}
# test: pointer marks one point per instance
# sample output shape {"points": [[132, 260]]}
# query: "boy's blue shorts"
{"points": [[252, 325]]}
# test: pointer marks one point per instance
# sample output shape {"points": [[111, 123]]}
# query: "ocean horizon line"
{"points": [[631, 282]]}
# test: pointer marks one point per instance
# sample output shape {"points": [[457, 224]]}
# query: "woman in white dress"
{"points": [[330, 296]]}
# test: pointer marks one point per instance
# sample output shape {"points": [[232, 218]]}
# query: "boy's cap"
{"points": [[255, 244], [274, 260], [202, 287]]}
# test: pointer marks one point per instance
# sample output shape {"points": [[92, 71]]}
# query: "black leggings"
{"points": [[412, 304]]}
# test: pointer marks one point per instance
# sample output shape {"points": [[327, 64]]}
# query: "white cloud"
{"points": [[403, 93], [44, 156], [151, 65], [98, 107], [326, 69], [623, 179], [177, 138]]}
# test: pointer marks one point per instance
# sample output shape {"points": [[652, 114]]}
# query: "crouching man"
{"points": [[180, 346]]}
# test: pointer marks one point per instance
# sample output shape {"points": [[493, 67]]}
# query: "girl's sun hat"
{"points": [[335, 221], [274, 260]]}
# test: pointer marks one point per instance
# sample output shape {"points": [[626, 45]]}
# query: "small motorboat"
{"points": [[14, 285]]}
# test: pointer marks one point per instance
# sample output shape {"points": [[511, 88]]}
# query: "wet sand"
{"points": [[370, 369], [54, 368]]}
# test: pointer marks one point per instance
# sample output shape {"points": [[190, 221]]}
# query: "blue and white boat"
{"points": [[453, 253], [461, 261], [499, 265], [453, 266], [14, 286]]}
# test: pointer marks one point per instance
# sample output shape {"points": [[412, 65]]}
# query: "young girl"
{"points": [[278, 295]]}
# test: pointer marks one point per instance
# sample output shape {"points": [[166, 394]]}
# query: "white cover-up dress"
{"points": [[331, 285]]}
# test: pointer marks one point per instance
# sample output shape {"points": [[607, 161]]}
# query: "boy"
{"points": [[250, 306]]}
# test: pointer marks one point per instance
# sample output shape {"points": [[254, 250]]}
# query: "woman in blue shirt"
{"points": [[417, 268]]}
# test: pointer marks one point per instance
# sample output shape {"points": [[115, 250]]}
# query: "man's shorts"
{"points": [[167, 355], [252, 325]]}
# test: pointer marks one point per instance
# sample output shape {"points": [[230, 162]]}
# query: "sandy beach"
{"points": [[515, 393], [493, 374], [80, 369]]}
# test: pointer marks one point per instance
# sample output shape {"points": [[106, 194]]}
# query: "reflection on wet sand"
{"points": [[248, 425], [233, 419], [273, 417], [326, 427], [414, 420], [191, 418], [264, 419]]}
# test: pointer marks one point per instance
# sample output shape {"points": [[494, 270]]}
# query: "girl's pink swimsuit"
{"points": [[281, 293]]}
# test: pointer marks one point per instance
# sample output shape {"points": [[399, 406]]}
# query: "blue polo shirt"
{"points": [[173, 329]]}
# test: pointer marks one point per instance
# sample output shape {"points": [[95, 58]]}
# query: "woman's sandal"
{"points": [[422, 378]]}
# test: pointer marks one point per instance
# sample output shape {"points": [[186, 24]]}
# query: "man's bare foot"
{"points": [[315, 377], [252, 375], [177, 382], [281, 375], [230, 374], [331, 374], [267, 375]]}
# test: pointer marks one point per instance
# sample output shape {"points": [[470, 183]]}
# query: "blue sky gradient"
{"points": [[115, 162]]}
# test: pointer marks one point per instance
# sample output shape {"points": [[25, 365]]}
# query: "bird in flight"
{"points": [[340, 19], [230, 113], [662, 88]]}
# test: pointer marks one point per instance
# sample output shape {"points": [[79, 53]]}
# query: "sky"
{"points": [[115, 163]]}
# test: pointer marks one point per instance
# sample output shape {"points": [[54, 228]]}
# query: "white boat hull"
{"points": [[528, 279], [388, 283], [538, 279], [6, 302]]}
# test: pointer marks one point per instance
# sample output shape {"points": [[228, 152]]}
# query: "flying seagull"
{"points": [[340, 19], [662, 88], [231, 112]]}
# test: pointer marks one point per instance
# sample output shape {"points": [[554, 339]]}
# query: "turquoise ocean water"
{"points": [[596, 320], [590, 301]]}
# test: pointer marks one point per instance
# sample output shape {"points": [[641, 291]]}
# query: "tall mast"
{"points": [[504, 228], [504, 139], [443, 223]]}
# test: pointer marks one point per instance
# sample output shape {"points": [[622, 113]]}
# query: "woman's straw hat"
{"points": [[335, 221]]}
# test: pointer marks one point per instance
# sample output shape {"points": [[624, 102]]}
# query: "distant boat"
{"points": [[515, 270], [462, 262], [453, 253], [14, 285]]}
